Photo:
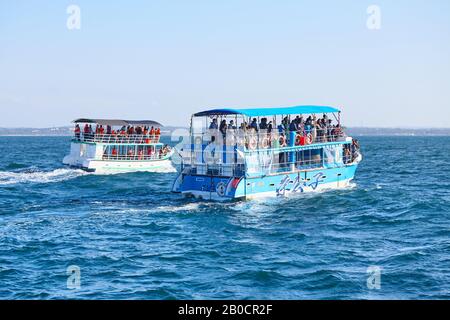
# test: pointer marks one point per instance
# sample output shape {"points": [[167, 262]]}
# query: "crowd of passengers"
{"points": [[125, 131], [308, 131], [140, 154]]}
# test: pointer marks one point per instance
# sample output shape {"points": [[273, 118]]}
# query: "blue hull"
{"points": [[222, 188]]}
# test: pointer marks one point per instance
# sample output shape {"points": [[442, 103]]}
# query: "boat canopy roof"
{"points": [[117, 122], [259, 112]]}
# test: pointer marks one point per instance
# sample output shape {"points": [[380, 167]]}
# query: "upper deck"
{"points": [[111, 131], [264, 141]]}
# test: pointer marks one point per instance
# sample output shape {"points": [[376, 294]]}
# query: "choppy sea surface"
{"points": [[133, 239]]}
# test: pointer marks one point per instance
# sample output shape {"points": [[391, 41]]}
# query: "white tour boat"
{"points": [[109, 146]]}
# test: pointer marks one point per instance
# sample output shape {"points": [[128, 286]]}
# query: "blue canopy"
{"points": [[259, 112]]}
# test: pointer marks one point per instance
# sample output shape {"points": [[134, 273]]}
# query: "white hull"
{"points": [[89, 158], [107, 167]]}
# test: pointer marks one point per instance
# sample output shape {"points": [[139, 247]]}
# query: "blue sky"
{"points": [[164, 60]]}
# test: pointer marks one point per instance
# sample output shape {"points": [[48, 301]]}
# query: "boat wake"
{"points": [[37, 176], [187, 207]]}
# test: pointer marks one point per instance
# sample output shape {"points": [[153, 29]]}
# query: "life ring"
{"points": [[309, 138], [298, 140], [282, 141], [252, 144], [265, 143], [221, 188]]}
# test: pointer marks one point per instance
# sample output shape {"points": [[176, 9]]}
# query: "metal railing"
{"points": [[254, 140], [121, 157], [117, 138], [265, 162]]}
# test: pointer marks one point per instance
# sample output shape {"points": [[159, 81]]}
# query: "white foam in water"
{"points": [[186, 207], [10, 177]]}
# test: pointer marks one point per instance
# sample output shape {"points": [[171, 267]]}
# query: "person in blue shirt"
{"points": [[280, 129], [231, 125], [254, 124], [214, 125], [293, 126], [263, 124]]}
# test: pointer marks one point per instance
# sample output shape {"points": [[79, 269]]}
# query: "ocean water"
{"points": [[132, 239]]}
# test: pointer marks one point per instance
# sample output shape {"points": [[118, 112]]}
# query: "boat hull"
{"points": [[277, 185], [107, 167], [89, 158]]}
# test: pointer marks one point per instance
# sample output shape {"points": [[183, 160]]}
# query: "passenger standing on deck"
{"points": [[347, 154], [293, 126], [284, 125], [150, 151], [319, 131], [282, 156], [270, 127], [308, 125], [152, 134], [213, 125], [158, 134], [254, 124], [263, 124], [130, 154], [231, 125], [77, 131], [337, 131], [330, 130], [223, 127], [314, 129]]}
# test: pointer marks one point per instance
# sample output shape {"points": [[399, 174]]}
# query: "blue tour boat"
{"points": [[247, 153]]}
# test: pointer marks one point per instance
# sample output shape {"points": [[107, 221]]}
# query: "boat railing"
{"points": [[267, 161], [117, 138], [123, 157], [228, 170], [268, 140]]}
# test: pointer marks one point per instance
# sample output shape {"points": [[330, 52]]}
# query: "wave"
{"points": [[36, 176], [14, 165], [187, 207]]}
